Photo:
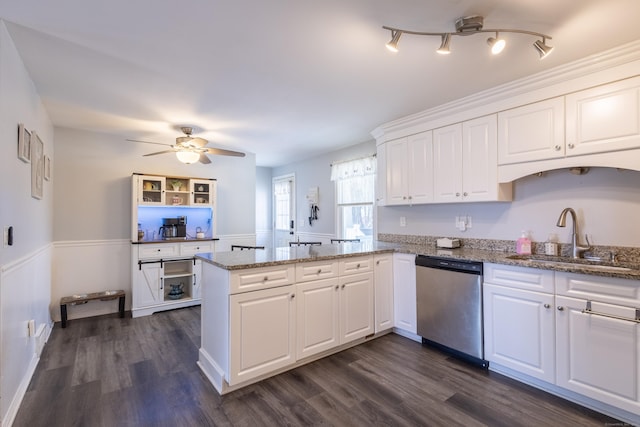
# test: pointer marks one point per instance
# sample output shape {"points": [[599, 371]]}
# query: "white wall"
{"points": [[25, 267], [316, 172], [606, 200], [264, 221]]}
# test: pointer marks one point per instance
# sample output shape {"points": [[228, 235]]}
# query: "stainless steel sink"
{"points": [[571, 262]]}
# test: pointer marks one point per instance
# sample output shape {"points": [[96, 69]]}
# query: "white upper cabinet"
{"points": [[465, 163], [604, 118], [409, 170], [531, 132], [381, 175]]}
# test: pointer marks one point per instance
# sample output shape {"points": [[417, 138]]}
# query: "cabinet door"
{"points": [[447, 161], [519, 330], [397, 170], [383, 291], [381, 175], [196, 291], [202, 192], [480, 160], [598, 356], [262, 332], [531, 132], [356, 306], [147, 287], [420, 174], [605, 118], [318, 314], [151, 190], [404, 292]]}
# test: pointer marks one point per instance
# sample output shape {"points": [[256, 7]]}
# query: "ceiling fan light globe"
{"points": [[188, 157]]}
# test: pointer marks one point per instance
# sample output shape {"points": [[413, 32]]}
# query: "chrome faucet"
{"points": [[576, 248]]}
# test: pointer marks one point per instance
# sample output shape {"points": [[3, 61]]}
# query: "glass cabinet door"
{"points": [[202, 192], [151, 190]]}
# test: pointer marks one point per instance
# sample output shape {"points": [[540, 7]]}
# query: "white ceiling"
{"points": [[285, 79]]}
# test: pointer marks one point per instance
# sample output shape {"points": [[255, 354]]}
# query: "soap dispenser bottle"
{"points": [[523, 244]]}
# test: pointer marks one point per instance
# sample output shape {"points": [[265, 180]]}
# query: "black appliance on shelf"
{"points": [[173, 228]]}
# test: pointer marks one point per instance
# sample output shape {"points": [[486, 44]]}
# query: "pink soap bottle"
{"points": [[523, 244]]}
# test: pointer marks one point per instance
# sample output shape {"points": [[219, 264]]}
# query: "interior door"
{"points": [[284, 210]]}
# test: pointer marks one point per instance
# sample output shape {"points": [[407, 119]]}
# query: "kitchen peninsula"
{"points": [[267, 311]]}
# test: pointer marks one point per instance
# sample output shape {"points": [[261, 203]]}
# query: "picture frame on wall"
{"points": [[37, 166], [24, 144], [47, 168]]}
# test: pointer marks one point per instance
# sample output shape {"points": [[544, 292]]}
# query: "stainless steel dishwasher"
{"points": [[449, 306]]}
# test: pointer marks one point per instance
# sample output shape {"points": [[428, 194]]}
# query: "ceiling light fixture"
{"points": [[468, 26], [542, 48], [444, 46], [497, 44], [188, 157], [393, 43]]}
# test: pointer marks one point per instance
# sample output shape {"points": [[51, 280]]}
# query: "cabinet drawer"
{"points": [[316, 270], [192, 248], [262, 278], [161, 250], [606, 289], [532, 279], [356, 265]]}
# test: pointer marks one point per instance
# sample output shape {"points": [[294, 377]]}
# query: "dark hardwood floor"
{"points": [[107, 371]]}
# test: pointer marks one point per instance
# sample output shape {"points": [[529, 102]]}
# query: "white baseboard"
{"points": [[12, 410]]}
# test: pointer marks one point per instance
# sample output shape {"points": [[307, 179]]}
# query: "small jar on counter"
{"points": [[551, 246]]}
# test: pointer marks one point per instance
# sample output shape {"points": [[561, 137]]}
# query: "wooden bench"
{"points": [[85, 298]]}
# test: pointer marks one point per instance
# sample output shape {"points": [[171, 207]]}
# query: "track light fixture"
{"points": [[468, 26]]}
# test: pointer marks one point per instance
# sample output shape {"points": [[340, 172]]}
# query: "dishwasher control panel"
{"points": [[471, 267]]}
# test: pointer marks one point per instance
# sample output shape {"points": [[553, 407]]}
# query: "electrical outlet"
{"points": [[5, 238], [403, 221]]}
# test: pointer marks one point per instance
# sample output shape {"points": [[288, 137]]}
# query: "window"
{"points": [[354, 181]]}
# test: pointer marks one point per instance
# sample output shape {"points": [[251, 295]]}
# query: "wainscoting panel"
{"points": [[85, 266], [25, 294]]}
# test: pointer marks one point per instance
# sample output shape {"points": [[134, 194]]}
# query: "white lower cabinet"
{"points": [[383, 291], [404, 292], [356, 307], [318, 311], [577, 332], [598, 351], [519, 330], [262, 332], [148, 285]]}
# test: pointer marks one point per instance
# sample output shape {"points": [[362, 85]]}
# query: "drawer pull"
{"points": [[358, 266], [588, 310]]}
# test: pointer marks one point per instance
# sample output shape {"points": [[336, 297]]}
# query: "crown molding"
{"points": [[539, 86]]}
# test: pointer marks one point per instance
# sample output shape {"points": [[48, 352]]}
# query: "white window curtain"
{"points": [[351, 168]]}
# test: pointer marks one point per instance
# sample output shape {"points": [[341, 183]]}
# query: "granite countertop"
{"points": [[237, 260]]}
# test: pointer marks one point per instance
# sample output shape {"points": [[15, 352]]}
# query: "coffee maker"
{"points": [[173, 228]]}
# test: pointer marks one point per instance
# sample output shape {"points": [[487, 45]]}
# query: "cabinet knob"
{"points": [[557, 148], [560, 308], [343, 286], [378, 262], [337, 287], [457, 194], [547, 306], [465, 194], [571, 145], [404, 197], [319, 270], [358, 266], [265, 279], [293, 296], [410, 197]]}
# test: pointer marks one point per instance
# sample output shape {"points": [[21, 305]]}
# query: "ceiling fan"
{"points": [[190, 149]]}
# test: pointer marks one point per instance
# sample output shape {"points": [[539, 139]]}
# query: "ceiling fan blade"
{"points": [[221, 152], [204, 159], [149, 142], [159, 152]]}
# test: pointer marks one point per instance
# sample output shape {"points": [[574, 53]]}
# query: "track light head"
{"points": [[444, 46], [543, 49], [395, 38], [497, 44]]}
